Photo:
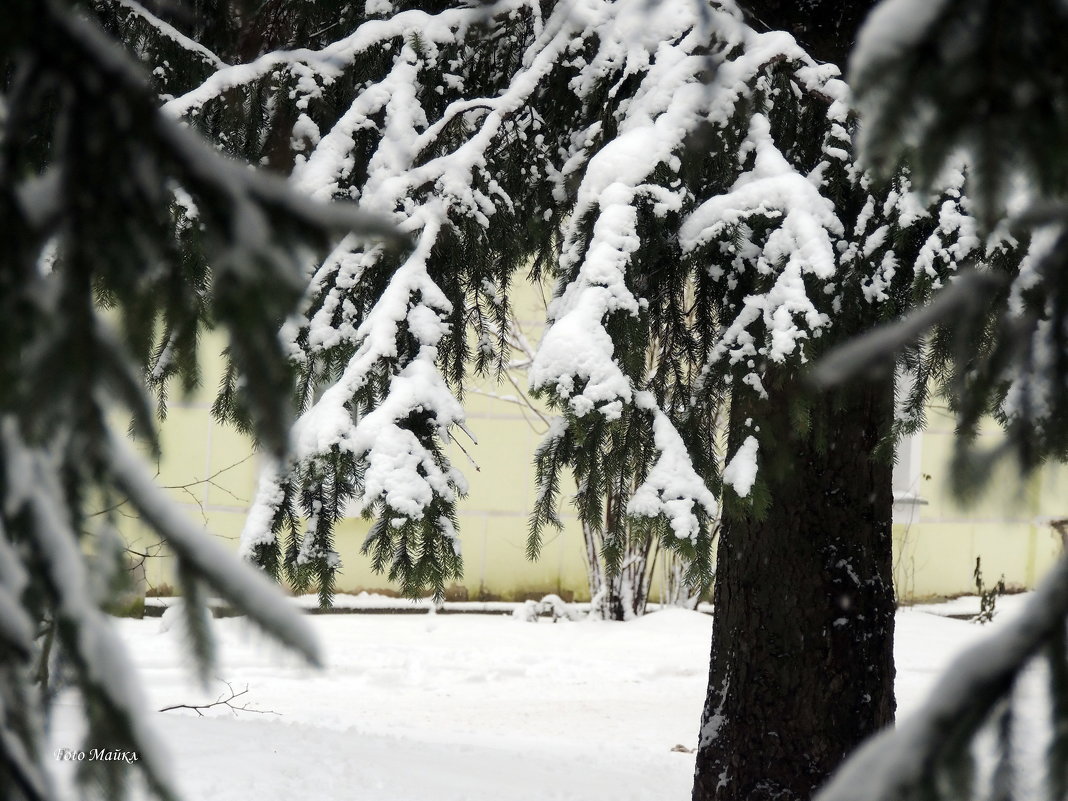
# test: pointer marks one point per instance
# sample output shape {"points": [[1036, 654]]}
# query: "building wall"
{"points": [[212, 473], [938, 538]]}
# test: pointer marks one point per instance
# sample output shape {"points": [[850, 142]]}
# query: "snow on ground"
{"points": [[458, 707], [1005, 605]]}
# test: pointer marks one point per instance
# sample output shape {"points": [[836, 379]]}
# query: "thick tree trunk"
{"points": [[802, 661], [802, 666]]}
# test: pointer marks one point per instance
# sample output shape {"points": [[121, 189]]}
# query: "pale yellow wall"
{"points": [[935, 550], [1006, 524], [208, 468]]}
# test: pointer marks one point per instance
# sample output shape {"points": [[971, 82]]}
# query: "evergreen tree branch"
{"points": [[239, 585]]}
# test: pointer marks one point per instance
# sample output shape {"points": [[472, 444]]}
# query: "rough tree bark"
{"points": [[802, 654]]}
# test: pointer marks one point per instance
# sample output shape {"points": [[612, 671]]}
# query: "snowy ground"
{"points": [[451, 707]]}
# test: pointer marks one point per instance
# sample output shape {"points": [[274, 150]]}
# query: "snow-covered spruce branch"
{"points": [[934, 744], [104, 677], [405, 409], [168, 31], [328, 63]]}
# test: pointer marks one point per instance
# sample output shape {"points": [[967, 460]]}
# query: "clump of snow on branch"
{"points": [[672, 489], [741, 471], [802, 244], [576, 354]]}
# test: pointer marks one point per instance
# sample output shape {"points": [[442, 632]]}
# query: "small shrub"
{"points": [[988, 596]]}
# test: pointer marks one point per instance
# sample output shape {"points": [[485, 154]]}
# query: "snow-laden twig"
{"points": [[172, 33]]}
